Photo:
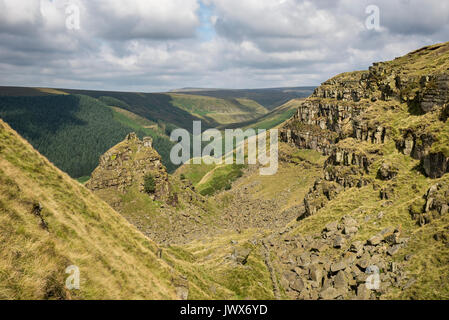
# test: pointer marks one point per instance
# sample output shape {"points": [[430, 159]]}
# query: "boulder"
{"points": [[387, 171], [329, 293], [339, 241], [340, 265], [316, 273], [375, 240], [341, 280], [356, 247], [331, 227], [241, 254], [297, 285], [393, 250], [363, 293]]}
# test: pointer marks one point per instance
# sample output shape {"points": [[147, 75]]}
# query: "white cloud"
{"points": [[154, 45]]}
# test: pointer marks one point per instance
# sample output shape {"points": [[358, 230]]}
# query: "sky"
{"points": [[159, 45]]}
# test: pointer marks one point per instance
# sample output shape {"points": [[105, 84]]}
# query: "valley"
{"points": [[358, 208]]}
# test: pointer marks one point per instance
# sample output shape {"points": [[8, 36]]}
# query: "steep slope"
{"points": [[382, 199], [49, 222]]}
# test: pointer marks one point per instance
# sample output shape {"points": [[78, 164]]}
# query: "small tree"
{"points": [[149, 183]]}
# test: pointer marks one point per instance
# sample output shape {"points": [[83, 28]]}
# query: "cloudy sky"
{"points": [[158, 45]]}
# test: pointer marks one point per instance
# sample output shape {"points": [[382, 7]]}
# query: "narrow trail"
{"points": [[210, 173], [276, 291]]}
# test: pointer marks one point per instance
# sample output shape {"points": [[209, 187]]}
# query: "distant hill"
{"points": [[270, 98]]}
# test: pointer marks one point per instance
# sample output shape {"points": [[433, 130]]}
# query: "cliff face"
{"points": [[127, 164], [413, 89], [383, 195]]}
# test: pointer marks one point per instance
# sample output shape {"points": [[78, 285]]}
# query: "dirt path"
{"points": [[207, 175]]}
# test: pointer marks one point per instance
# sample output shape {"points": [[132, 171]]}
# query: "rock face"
{"points": [[340, 109], [127, 164]]}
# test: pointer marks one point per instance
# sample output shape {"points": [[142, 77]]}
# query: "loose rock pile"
{"points": [[330, 265]]}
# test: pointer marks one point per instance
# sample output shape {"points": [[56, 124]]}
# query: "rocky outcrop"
{"points": [[434, 92], [310, 138], [434, 205], [127, 164], [319, 195], [374, 134], [347, 157], [387, 171]]}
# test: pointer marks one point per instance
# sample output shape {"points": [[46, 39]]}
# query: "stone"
{"points": [[298, 285], [339, 241], [363, 293], [316, 273], [331, 227], [350, 230], [318, 246], [341, 280], [241, 254], [393, 238], [303, 260], [356, 247], [387, 171], [393, 250], [298, 271], [327, 283], [340, 265], [329, 294], [375, 240], [364, 261], [348, 221]]}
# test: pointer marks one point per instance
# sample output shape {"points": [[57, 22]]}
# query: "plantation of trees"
{"points": [[73, 130]]}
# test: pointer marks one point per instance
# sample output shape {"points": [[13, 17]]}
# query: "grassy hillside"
{"points": [[272, 118], [219, 111], [181, 109], [74, 228]]}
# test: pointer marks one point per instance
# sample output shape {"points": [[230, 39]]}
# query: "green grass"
{"points": [[217, 111], [195, 172], [221, 179], [83, 180]]}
